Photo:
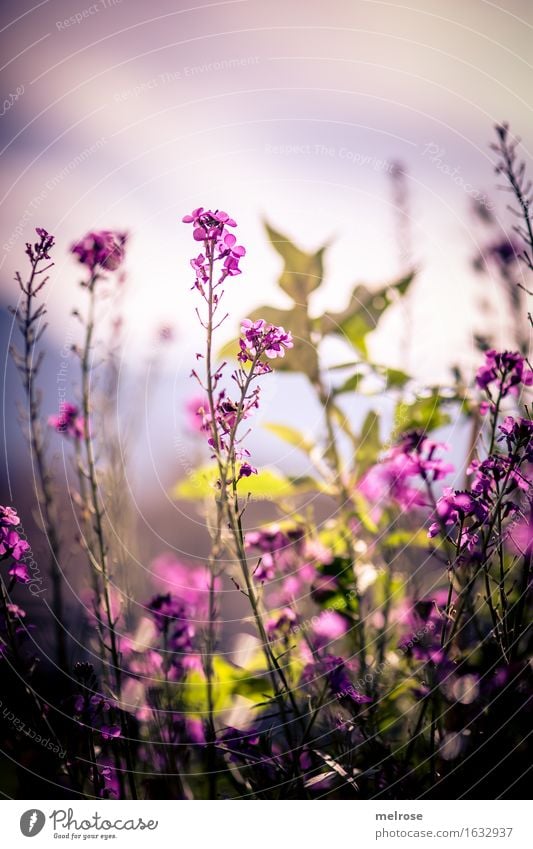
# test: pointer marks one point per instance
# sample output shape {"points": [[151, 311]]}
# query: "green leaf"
{"points": [[361, 509], [302, 272], [423, 414], [402, 538], [349, 385], [369, 443], [396, 379], [362, 314], [290, 435], [267, 484]]}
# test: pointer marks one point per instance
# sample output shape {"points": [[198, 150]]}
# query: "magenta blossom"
{"points": [[40, 250], [507, 370], [260, 338], [11, 543], [68, 422], [219, 244], [198, 417], [415, 457], [102, 249]]}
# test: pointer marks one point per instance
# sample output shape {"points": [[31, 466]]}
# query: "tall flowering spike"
{"points": [[101, 249]]}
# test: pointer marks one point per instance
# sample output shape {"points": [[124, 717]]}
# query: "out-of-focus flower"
{"points": [[280, 625], [277, 548], [334, 671], [197, 410], [328, 627], [414, 457], [101, 249], [68, 421]]}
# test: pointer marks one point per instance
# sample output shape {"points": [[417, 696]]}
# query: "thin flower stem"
{"points": [[28, 366], [101, 555]]}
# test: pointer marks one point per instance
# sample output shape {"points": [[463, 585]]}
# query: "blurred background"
{"points": [[362, 124]]}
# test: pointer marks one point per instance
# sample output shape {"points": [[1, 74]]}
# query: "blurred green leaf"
{"points": [[303, 271], [424, 414], [402, 538], [362, 314], [349, 385], [290, 435], [369, 443], [267, 485]]}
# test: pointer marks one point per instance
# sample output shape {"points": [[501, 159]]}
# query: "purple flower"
{"points": [[508, 370], [414, 457], [198, 417], [465, 507], [278, 549], [68, 421], [281, 624], [104, 249], [247, 470], [335, 672], [219, 244], [260, 338], [11, 543], [40, 250]]}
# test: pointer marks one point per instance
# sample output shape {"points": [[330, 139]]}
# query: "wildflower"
{"points": [[281, 624], [508, 370], [328, 627], [104, 249], [260, 338], [40, 250], [197, 410], [335, 672], [453, 507], [246, 470], [219, 244], [69, 422], [277, 547], [414, 456], [11, 543]]}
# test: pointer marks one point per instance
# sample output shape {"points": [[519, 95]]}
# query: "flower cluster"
{"points": [[497, 482], [68, 421], [260, 338], [277, 549], [11, 543], [507, 370], [40, 250], [414, 457], [220, 245], [101, 249]]}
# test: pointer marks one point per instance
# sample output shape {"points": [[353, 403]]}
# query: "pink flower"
{"points": [[198, 417], [11, 543], [260, 338], [68, 421], [507, 369], [103, 249], [328, 627], [219, 244]]}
